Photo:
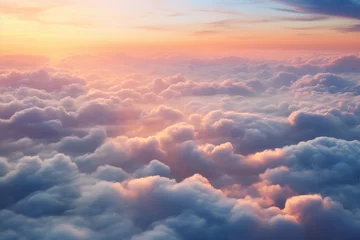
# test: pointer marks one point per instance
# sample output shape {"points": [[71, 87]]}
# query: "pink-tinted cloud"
{"points": [[270, 152]]}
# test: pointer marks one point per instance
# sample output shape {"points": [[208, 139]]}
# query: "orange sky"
{"points": [[60, 28]]}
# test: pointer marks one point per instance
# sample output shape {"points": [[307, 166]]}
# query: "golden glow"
{"points": [[61, 28]]}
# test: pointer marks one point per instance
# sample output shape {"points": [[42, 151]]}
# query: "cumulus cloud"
{"points": [[40, 79], [326, 82], [332, 64], [349, 63], [190, 88], [142, 152], [283, 79], [322, 165]]}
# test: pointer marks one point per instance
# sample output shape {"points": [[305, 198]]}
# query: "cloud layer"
{"points": [[229, 148]]}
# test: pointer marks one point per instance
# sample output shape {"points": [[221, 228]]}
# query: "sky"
{"points": [[179, 120], [62, 27]]}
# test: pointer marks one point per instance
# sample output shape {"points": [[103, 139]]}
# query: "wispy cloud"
{"points": [[166, 12], [223, 12], [302, 19], [152, 28], [346, 29], [206, 32], [33, 13], [343, 8], [235, 22], [286, 10], [350, 29], [23, 12]]}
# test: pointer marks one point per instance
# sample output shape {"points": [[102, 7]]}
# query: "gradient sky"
{"points": [[62, 27]]}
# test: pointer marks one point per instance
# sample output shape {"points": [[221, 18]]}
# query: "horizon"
{"points": [[62, 28]]}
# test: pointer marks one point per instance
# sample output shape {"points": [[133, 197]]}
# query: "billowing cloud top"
{"points": [[230, 148]]}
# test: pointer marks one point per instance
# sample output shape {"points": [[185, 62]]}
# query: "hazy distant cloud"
{"points": [[224, 12], [350, 29], [152, 28], [206, 32]]}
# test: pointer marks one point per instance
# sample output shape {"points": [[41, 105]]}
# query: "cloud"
{"points": [[31, 174], [219, 12], [283, 79], [184, 210], [147, 153], [24, 12], [326, 82], [153, 28], [350, 29], [34, 12], [347, 8], [73, 145], [206, 32], [36, 123], [324, 165], [333, 64], [166, 113], [190, 88], [40, 79], [350, 63], [154, 168], [110, 173]]}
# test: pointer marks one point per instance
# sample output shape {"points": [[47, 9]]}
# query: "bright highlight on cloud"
{"points": [[170, 144]]}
